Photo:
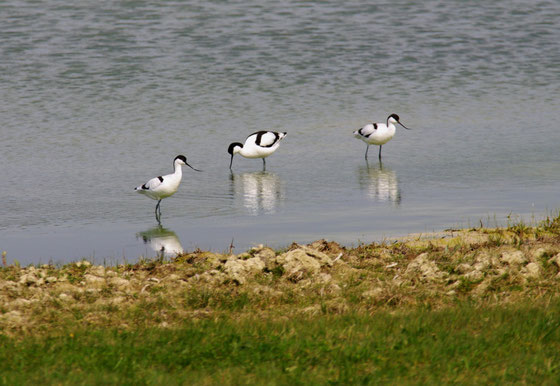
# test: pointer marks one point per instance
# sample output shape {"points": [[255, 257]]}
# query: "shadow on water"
{"points": [[380, 183], [162, 240], [258, 192]]}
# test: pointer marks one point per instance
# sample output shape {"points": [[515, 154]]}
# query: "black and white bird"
{"points": [[379, 133], [162, 187], [258, 145]]}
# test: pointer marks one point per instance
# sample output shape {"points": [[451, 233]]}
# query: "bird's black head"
{"points": [[233, 146], [182, 158], [396, 119]]}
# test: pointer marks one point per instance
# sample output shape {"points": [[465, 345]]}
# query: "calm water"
{"points": [[100, 96]]}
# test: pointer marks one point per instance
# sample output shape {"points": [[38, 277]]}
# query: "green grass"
{"points": [[465, 344]]}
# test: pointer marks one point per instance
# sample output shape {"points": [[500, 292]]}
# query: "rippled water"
{"points": [[98, 97]]}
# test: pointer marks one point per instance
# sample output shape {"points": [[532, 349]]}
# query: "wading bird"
{"points": [[258, 145], [378, 133], [162, 187]]}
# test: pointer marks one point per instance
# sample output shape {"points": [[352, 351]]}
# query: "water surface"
{"points": [[98, 97]]}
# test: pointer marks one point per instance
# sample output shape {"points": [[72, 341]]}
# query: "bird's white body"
{"points": [[376, 133], [163, 186]]}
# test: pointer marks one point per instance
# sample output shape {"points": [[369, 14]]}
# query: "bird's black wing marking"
{"points": [[152, 182], [374, 128], [367, 135], [260, 135]]}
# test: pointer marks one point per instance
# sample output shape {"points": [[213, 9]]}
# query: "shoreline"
{"points": [[116, 246], [487, 266]]}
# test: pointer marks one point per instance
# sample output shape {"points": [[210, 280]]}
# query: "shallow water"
{"points": [[99, 97]]}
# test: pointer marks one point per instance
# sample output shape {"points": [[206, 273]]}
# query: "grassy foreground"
{"points": [[465, 344], [469, 306]]}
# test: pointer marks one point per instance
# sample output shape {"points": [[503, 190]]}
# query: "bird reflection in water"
{"points": [[163, 241], [260, 192], [380, 183]]}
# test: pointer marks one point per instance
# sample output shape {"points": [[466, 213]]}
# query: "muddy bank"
{"points": [[485, 265]]}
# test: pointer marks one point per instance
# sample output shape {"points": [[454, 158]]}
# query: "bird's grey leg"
{"points": [[367, 148], [158, 207], [380, 153], [264, 164]]}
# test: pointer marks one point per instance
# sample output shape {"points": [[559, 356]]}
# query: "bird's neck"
{"points": [[178, 171]]}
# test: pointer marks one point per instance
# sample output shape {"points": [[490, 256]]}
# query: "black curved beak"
{"points": [[404, 126], [231, 162], [193, 168]]}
